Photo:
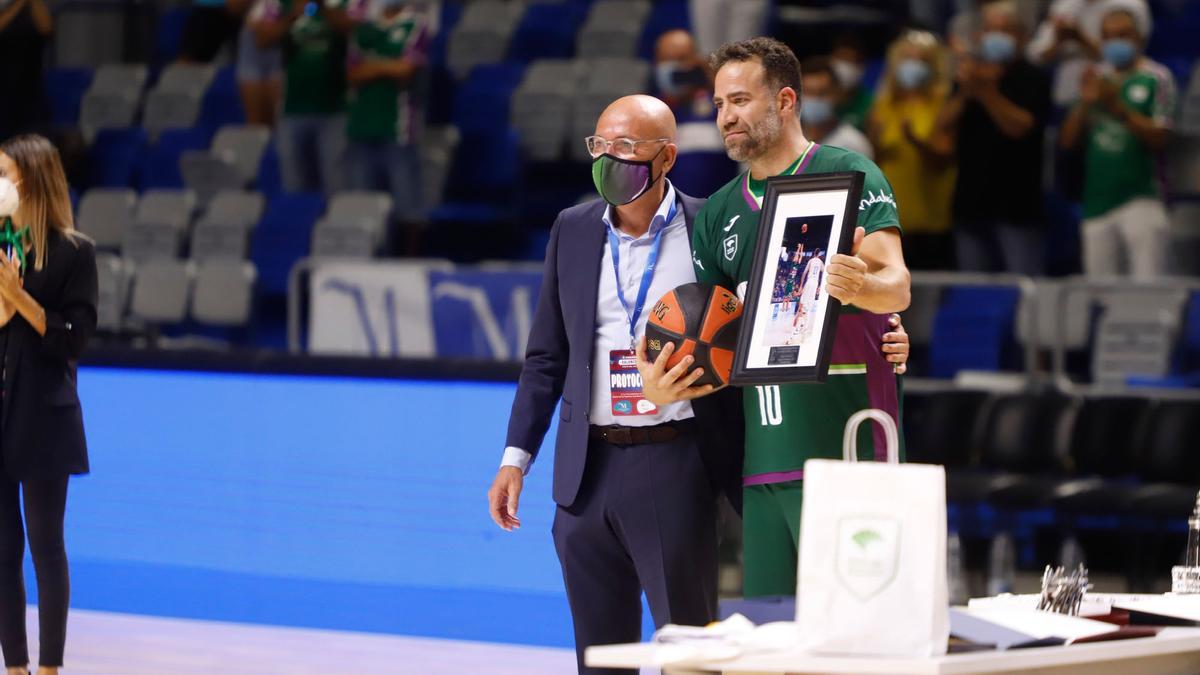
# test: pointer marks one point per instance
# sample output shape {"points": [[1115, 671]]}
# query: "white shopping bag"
{"points": [[872, 572]]}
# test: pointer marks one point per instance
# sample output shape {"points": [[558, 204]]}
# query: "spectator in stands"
{"points": [[902, 128], [312, 130], [48, 296], [682, 80], [681, 77], [210, 25], [1124, 116], [818, 112], [996, 120], [385, 111], [259, 70], [25, 27], [848, 60], [1070, 38]]}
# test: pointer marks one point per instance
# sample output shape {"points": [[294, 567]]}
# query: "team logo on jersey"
{"points": [[732, 221], [1138, 93], [731, 243], [873, 198], [868, 553]]}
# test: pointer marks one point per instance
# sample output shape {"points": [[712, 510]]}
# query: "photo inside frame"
{"points": [[792, 301], [799, 282]]}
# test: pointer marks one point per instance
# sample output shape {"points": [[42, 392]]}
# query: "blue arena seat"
{"points": [[483, 180], [269, 180], [114, 157], [1189, 338], [222, 104], [481, 102], [973, 330], [546, 31], [168, 33], [64, 89], [282, 237], [159, 166]]}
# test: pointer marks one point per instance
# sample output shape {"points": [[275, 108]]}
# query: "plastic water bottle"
{"points": [[1002, 564]]}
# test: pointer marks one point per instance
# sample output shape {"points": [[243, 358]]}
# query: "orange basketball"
{"points": [[700, 320]]}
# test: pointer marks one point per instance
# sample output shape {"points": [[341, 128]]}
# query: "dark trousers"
{"points": [[644, 521], [45, 506]]}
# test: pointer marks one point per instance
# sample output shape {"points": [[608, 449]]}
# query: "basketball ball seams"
{"points": [[667, 314], [702, 322]]}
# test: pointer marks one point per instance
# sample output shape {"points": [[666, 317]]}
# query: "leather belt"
{"points": [[622, 435]]}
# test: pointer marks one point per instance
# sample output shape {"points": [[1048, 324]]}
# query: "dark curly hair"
{"points": [[781, 69]]}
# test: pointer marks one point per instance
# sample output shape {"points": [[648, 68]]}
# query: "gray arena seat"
{"points": [[161, 289], [105, 214], [113, 283], [223, 293], [612, 28], [160, 225], [224, 229], [349, 237], [231, 163], [482, 34], [113, 97], [541, 107], [604, 80]]}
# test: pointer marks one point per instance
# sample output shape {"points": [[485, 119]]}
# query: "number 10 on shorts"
{"points": [[769, 409]]}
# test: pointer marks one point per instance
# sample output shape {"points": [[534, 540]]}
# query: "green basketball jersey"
{"points": [[314, 80], [383, 109], [788, 424], [1119, 165]]}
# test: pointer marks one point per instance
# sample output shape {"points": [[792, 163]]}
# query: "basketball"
{"points": [[702, 321]]}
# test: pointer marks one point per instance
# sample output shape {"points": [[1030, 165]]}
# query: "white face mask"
{"points": [[10, 199], [848, 74]]}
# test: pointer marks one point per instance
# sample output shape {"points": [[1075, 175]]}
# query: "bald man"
{"points": [[636, 484], [636, 499]]}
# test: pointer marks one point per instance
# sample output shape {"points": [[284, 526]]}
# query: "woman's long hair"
{"points": [[45, 200], [933, 53]]}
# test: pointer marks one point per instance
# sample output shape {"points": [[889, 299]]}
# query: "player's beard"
{"points": [[757, 139]]}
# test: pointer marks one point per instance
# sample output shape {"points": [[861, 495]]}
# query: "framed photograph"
{"points": [[788, 320]]}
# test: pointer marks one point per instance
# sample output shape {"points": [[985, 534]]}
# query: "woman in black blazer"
{"points": [[47, 313]]}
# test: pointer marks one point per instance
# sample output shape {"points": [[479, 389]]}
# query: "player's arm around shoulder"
{"points": [[874, 276]]}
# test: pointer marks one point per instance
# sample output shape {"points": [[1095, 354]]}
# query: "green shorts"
{"points": [[770, 538]]}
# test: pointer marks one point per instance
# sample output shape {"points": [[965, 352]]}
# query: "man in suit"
{"points": [[636, 484]]}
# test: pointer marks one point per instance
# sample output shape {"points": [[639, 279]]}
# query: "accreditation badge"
{"points": [[625, 383]]}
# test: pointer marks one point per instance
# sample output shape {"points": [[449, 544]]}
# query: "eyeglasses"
{"points": [[624, 148]]}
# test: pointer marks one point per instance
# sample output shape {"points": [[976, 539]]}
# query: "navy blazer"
{"points": [[558, 363]]}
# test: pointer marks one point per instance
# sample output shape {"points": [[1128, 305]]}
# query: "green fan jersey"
{"points": [[789, 424], [314, 81], [383, 109], [1120, 167]]}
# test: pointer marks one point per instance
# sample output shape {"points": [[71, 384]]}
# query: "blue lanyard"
{"points": [[614, 245]]}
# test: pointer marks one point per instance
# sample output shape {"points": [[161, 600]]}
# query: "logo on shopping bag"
{"points": [[868, 553]]}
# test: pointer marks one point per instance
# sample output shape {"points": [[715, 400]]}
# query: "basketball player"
{"points": [[757, 95], [810, 292]]}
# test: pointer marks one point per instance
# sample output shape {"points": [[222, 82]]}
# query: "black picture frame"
{"points": [[783, 363]]}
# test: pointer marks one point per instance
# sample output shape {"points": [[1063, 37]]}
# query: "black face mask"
{"points": [[620, 181]]}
